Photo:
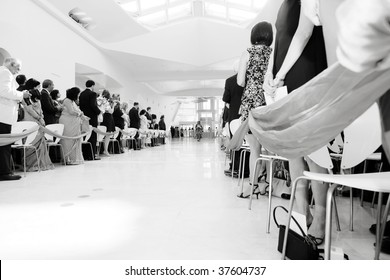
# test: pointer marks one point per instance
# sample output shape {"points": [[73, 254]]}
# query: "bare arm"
{"points": [[242, 69], [298, 43]]}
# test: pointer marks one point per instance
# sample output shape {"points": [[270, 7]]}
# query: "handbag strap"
{"points": [[296, 222]]}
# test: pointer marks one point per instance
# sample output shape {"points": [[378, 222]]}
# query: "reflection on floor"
{"points": [[167, 202]]}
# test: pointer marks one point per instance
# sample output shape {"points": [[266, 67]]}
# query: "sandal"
{"points": [[316, 240]]}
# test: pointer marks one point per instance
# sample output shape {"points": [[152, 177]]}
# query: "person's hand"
{"points": [[268, 85], [42, 121], [26, 94]]}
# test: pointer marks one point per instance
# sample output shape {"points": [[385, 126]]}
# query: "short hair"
{"points": [[136, 103], [143, 111], [21, 79], [10, 61], [154, 116], [72, 93], [162, 116], [54, 94], [89, 83], [31, 84], [46, 83], [148, 108], [262, 34], [106, 94]]}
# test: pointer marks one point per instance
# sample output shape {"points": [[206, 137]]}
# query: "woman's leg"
{"points": [[297, 166], [319, 190], [255, 149], [106, 143]]}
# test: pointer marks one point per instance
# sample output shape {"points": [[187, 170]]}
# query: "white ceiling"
{"points": [[189, 58]]}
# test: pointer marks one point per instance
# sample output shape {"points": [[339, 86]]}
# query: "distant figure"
{"points": [[198, 130]]}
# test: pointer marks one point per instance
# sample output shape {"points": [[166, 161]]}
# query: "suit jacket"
{"points": [[88, 104], [232, 95], [48, 107], [9, 97], [135, 120]]}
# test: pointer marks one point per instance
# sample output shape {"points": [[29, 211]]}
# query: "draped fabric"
{"points": [[6, 139], [43, 154], [313, 114]]}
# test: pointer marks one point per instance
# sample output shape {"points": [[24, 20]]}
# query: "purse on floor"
{"points": [[298, 247]]}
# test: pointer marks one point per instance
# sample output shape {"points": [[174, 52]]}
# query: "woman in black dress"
{"points": [[299, 55], [108, 120]]}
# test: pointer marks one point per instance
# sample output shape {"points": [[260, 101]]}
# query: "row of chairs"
{"points": [[361, 139]]}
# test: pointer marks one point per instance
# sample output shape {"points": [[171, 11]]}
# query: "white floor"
{"points": [[167, 202]]}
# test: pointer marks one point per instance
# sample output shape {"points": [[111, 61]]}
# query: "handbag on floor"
{"points": [[299, 247]]}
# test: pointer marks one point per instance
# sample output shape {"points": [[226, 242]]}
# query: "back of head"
{"points": [[143, 112], [262, 34], [54, 94], [31, 84], [106, 94], [136, 104], [21, 79], [72, 93], [89, 83], [47, 83]]}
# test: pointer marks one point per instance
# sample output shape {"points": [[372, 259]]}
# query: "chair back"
{"points": [[102, 128], [88, 135], [21, 126], [361, 138], [132, 131], [234, 125], [322, 158], [57, 128]]}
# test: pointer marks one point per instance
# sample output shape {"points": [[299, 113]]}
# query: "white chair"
{"points": [[19, 127], [57, 128], [360, 141], [85, 139], [113, 139], [100, 137]]}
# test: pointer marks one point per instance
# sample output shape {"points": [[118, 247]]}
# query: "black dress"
{"points": [[108, 121], [313, 58]]}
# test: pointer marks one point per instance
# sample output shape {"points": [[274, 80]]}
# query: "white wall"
{"points": [[50, 49]]}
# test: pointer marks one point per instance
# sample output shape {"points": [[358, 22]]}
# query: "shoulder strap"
{"points": [[296, 222]]}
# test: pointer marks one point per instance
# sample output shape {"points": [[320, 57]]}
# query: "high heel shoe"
{"points": [[241, 195], [264, 175]]}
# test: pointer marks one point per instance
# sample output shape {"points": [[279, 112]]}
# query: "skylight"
{"points": [[157, 13]]}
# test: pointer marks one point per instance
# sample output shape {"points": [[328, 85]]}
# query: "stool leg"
{"points": [[243, 171], [382, 229], [234, 154], [239, 167], [336, 212], [351, 210], [378, 226]]}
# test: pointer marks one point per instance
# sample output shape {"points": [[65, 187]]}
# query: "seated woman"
{"points": [[33, 112], [73, 120], [119, 121]]}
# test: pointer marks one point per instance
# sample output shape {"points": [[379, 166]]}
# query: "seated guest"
{"points": [[73, 120], [55, 95], [33, 112], [161, 124]]}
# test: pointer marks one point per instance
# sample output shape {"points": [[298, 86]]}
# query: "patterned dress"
{"points": [[253, 95]]}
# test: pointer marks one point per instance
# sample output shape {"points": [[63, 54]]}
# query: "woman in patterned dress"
{"points": [[252, 68]]}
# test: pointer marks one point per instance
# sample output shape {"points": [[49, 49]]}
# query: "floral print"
{"points": [[253, 95]]}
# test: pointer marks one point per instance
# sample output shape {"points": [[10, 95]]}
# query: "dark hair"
{"points": [[21, 79], [72, 93], [262, 34], [35, 95], [31, 84], [148, 108], [154, 116], [89, 83], [143, 111], [106, 94], [54, 94], [46, 83], [136, 104], [162, 116]]}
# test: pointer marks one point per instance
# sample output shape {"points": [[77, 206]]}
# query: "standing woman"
{"points": [[108, 119], [251, 71], [72, 118], [299, 56]]}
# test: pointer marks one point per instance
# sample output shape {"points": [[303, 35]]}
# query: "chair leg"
{"points": [[378, 223], [243, 170], [253, 181], [239, 167], [24, 161], [234, 153], [351, 209], [336, 213], [328, 220], [270, 196], [382, 229]]}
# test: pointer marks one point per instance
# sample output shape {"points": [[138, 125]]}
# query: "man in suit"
{"points": [[48, 108], [149, 117], [232, 98], [88, 104], [134, 116], [9, 99]]}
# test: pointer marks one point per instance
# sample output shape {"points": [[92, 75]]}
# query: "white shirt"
{"points": [[9, 97]]}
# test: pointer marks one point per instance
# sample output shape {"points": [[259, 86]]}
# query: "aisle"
{"points": [[166, 202]]}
